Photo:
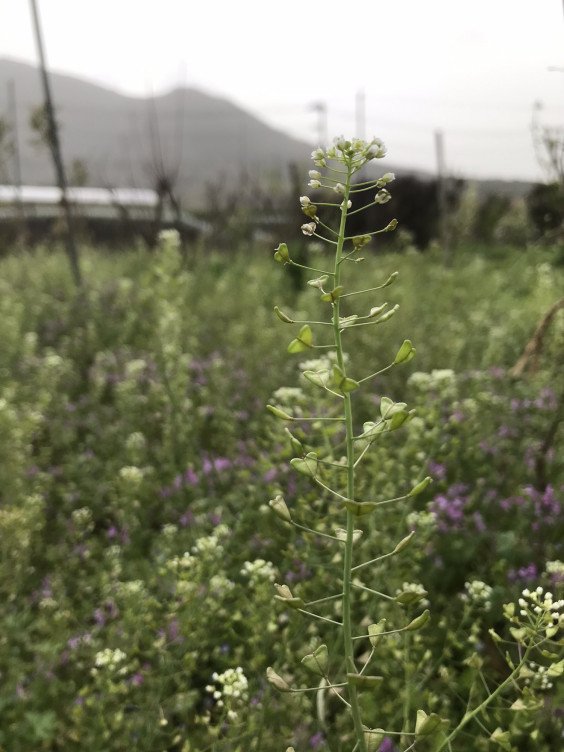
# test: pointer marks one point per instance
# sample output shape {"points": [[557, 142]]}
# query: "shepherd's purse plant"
{"points": [[329, 447]]}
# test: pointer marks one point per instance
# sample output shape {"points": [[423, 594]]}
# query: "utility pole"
{"points": [[361, 114], [55, 148], [321, 109], [13, 116], [439, 148]]}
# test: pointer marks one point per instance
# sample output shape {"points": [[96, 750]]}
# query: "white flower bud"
{"points": [[314, 183], [309, 228], [305, 201], [339, 188], [315, 175], [383, 196]]}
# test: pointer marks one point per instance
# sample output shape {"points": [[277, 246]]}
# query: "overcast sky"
{"points": [[472, 69]]}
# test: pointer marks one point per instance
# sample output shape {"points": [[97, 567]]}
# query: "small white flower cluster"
{"points": [[286, 396], [537, 677], [326, 361], [478, 593], [259, 571], [219, 584], [421, 521], [110, 659], [134, 367], [135, 440], [210, 544], [555, 567], [131, 475], [169, 239], [537, 603], [230, 690], [131, 589], [186, 561], [82, 519], [413, 587], [441, 380]]}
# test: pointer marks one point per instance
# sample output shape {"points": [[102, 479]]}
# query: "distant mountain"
{"points": [[122, 138], [127, 141]]}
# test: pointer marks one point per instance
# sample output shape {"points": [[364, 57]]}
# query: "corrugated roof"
{"points": [[40, 194]]}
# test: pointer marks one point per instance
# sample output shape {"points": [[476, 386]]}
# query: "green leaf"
{"points": [[502, 738], [346, 321], [320, 378], [359, 508], [373, 738], [557, 669], [282, 316], [419, 622], [281, 254], [405, 353], [294, 603], [331, 297], [375, 632], [318, 661], [295, 443], [305, 465], [392, 278], [303, 340], [377, 310], [428, 725], [388, 407], [364, 682], [280, 508], [343, 383], [310, 210], [318, 282], [420, 487], [404, 543], [387, 316], [277, 681], [371, 430], [279, 413], [341, 534], [400, 418], [409, 597]]}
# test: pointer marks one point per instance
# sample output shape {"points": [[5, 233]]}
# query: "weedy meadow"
{"points": [[402, 590], [329, 450]]}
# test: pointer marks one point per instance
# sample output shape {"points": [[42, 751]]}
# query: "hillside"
{"points": [[123, 138], [200, 138]]}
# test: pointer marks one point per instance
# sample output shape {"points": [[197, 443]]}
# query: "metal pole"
{"points": [[55, 148], [361, 114]]}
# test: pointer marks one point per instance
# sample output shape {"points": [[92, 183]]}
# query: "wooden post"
{"points": [[55, 148]]}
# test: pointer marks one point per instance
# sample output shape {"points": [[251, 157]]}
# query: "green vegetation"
{"points": [[139, 553]]}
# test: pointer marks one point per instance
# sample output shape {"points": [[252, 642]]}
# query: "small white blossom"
{"points": [[309, 228], [383, 196], [259, 571], [478, 593]]}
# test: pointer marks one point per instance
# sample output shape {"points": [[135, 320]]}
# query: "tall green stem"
{"points": [[348, 557]]}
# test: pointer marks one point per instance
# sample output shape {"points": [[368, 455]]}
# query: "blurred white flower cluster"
{"points": [[230, 690]]}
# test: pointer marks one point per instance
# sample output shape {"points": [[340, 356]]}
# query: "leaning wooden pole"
{"points": [[55, 147]]}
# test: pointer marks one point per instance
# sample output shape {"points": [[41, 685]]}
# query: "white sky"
{"points": [[472, 68]]}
